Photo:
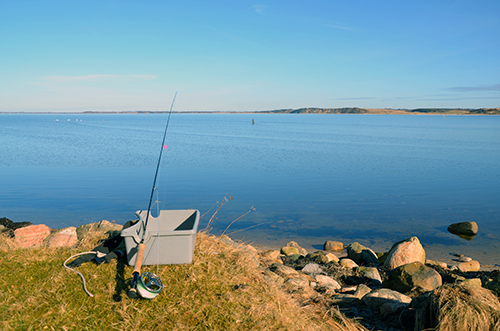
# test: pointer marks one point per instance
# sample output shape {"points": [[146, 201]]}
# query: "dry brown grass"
{"points": [[460, 307], [222, 289]]}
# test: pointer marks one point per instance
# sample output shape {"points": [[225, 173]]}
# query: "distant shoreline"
{"points": [[348, 110]]}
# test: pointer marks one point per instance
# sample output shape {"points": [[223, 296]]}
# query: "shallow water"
{"points": [[375, 179]]}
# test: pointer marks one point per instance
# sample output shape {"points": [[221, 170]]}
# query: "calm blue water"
{"points": [[375, 179]]}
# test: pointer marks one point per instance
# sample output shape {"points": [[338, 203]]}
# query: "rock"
{"points": [[297, 282], [327, 281], [464, 259], [288, 251], [361, 291], [302, 251], [404, 252], [381, 296], [413, 276], [348, 263], [284, 270], [331, 245], [273, 276], [312, 269], [464, 228], [370, 273], [103, 226], [66, 237], [345, 300], [361, 255], [472, 282], [332, 257], [31, 235], [437, 263], [469, 266], [319, 256], [294, 257], [391, 308], [9, 227], [271, 255]]}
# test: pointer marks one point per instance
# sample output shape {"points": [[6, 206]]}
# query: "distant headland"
{"points": [[311, 110]]}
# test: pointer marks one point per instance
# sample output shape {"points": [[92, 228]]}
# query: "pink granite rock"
{"points": [[65, 238], [32, 235]]}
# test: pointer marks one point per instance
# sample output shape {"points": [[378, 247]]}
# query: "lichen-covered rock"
{"points": [[404, 252], [471, 266], [377, 298], [302, 251], [413, 276], [464, 228], [319, 256], [32, 235], [331, 245], [288, 251], [361, 254]]}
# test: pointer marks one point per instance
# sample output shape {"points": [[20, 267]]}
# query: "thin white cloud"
{"points": [[494, 87], [338, 27], [96, 78], [260, 9]]}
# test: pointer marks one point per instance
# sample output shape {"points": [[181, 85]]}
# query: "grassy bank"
{"points": [[222, 289]]}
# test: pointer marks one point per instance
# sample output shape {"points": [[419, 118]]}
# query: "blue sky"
{"points": [[247, 55]]}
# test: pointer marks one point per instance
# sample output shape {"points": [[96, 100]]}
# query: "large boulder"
{"points": [[361, 254], [377, 298], [464, 229], [404, 252], [32, 235], [411, 276]]}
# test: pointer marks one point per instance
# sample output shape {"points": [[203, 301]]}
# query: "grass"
{"points": [[222, 289]]}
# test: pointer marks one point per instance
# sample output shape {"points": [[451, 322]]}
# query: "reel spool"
{"points": [[149, 285]]}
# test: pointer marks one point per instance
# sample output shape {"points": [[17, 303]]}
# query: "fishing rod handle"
{"points": [[132, 293], [138, 260]]}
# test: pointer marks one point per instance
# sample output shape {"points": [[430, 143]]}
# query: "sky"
{"points": [[111, 55]]}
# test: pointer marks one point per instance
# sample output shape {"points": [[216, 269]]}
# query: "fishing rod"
{"points": [[132, 293]]}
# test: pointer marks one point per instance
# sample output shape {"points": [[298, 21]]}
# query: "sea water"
{"points": [[374, 179]]}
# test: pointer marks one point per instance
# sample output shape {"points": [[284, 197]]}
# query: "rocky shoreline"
{"points": [[397, 290]]}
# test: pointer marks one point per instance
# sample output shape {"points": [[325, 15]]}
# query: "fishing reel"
{"points": [[148, 286]]}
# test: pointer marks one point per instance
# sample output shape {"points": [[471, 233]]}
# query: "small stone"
{"points": [[284, 270], [312, 269], [471, 266], [437, 263], [302, 251], [361, 291], [331, 245], [472, 282], [32, 235], [332, 257], [464, 259], [370, 273], [297, 282], [361, 254], [289, 250], [348, 263], [327, 281]]}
